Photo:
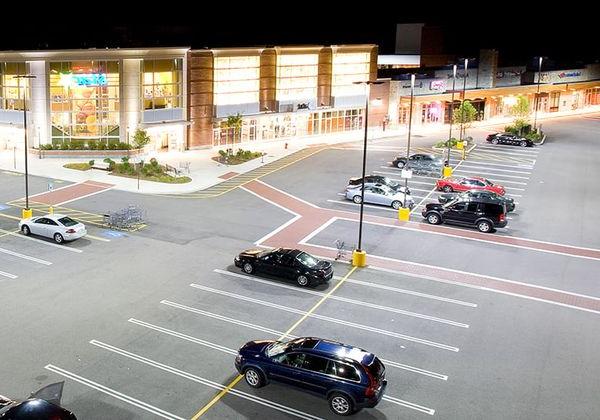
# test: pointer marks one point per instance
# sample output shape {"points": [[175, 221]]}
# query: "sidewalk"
{"points": [[205, 172]]}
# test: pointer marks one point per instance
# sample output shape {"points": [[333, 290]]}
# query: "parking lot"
{"points": [[146, 324]]}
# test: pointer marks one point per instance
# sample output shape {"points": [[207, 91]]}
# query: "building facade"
{"points": [[184, 98]]}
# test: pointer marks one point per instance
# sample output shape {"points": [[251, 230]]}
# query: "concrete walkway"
{"points": [[205, 172]]}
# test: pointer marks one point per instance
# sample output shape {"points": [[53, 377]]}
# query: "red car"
{"points": [[468, 184]]}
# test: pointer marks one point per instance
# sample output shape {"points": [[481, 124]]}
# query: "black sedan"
{"points": [[294, 264], [420, 163], [510, 203], [43, 404], [509, 138]]}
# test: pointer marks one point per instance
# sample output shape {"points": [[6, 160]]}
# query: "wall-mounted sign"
{"points": [[564, 74], [87, 79], [437, 85]]}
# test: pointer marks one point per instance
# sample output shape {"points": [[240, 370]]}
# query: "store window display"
{"points": [[12, 88], [162, 83]]}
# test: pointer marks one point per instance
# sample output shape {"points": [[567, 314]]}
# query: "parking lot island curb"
{"points": [[359, 258]]}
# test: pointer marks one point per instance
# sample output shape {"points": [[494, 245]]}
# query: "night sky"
{"points": [[519, 34]]}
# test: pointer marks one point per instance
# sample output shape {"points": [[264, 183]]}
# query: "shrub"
{"points": [[111, 163], [125, 159], [101, 145], [140, 138], [223, 154], [46, 147], [154, 162], [64, 146], [91, 162], [112, 146]]}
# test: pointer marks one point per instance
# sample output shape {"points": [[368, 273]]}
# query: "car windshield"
{"points": [[387, 190], [451, 202], [487, 182], [67, 221], [277, 348], [307, 260]]}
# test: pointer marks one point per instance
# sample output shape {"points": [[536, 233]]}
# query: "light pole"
{"points": [[451, 112], [537, 95], [359, 257], [462, 103], [410, 112], [26, 211]]}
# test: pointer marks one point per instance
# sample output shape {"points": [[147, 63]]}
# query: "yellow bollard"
{"points": [[27, 213], [459, 145], [50, 210], [359, 258], [447, 171], [403, 214]]}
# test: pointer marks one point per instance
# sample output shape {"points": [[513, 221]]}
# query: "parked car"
{"points": [[509, 138], [349, 377], [376, 180], [509, 202], [380, 194], [42, 404], [460, 184], [484, 214], [56, 226], [293, 264], [420, 163]]}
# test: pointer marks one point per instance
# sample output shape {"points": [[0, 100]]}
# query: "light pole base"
{"points": [[359, 258], [27, 213], [447, 171], [403, 214]]}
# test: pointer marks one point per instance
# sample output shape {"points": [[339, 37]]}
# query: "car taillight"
{"points": [[372, 388], [502, 217], [70, 230]]}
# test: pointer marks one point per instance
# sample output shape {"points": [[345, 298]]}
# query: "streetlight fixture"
{"points": [[410, 117], [451, 111], [27, 213], [359, 257], [537, 95]]}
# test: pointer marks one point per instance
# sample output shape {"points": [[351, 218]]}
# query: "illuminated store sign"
{"points": [[569, 74], [437, 85], [90, 79]]}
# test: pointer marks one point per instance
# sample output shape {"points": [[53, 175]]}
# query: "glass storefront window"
{"points": [[236, 80], [84, 101], [162, 83], [349, 68], [12, 88], [297, 76]]}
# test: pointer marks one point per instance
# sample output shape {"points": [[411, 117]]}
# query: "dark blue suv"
{"points": [[349, 377]]}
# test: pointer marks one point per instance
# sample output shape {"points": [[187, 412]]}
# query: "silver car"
{"points": [[56, 226], [380, 194]]}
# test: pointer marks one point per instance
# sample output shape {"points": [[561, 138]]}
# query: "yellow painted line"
{"points": [[9, 233], [96, 238], [229, 386]]}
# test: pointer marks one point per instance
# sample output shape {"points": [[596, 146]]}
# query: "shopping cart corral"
{"points": [[129, 218]]}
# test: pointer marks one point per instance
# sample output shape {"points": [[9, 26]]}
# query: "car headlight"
{"points": [[238, 358], [236, 259]]}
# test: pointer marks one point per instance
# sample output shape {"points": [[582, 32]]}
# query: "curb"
{"points": [[543, 140]]}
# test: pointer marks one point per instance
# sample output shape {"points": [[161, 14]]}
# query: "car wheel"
{"points": [[523, 143], [400, 164], [248, 268], [25, 229], [58, 238], [494, 141], [341, 404], [434, 219], [357, 199], [447, 188], [396, 205], [484, 226], [302, 280], [254, 378]]}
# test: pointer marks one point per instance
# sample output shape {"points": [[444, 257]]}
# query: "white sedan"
{"points": [[56, 226], [380, 194]]}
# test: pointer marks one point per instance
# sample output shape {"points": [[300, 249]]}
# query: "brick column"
{"points": [[324, 78], [200, 99], [268, 80]]}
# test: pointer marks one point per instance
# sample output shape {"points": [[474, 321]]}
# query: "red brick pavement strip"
{"points": [[228, 175], [70, 193], [314, 217]]}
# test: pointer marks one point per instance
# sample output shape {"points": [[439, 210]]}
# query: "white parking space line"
{"points": [[183, 336], [342, 299], [329, 319], [473, 173], [485, 167], [408, 292], [502, 165], [407, 404], [25, 257], [115, 394], [8, 275], [207, 382], [291, 337], [39, 241], [517, 152]]}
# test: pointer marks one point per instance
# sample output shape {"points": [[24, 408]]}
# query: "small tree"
{"points": [[521, 109], [234, 122], [465, 114], [140, 138]]}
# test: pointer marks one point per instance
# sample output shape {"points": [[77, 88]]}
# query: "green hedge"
{"points": [[77, 144]]}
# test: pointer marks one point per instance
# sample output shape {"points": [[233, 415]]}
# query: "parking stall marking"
{"points": [[8, 275], [407, 404], [207, 382], [375, 330], [23, 256], [291, 336], [342, 299], [115, 394], [39, 241]]}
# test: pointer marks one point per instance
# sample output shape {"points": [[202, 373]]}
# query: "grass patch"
{"points": [[241, 156], [166, 179], [78, 166]]}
